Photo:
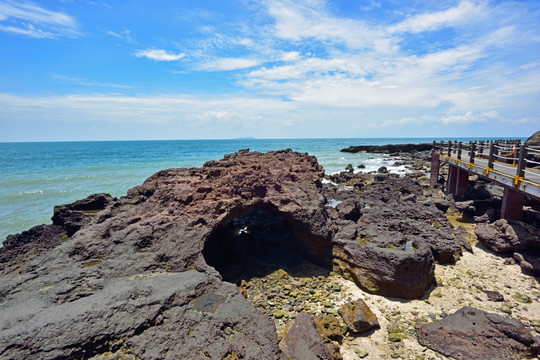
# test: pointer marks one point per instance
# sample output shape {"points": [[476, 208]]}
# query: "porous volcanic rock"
{"points": [[391, 248], [472, 334], [508, 235], [134, 280], [389, 207]]}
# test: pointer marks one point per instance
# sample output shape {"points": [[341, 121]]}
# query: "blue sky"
{"points": [[138, 69]]}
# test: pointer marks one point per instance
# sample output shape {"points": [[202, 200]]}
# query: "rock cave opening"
{"points": [[277, 264], [256, 245]]}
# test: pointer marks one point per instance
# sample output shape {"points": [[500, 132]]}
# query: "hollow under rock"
{"points": [[260, 253], [256, 245]]}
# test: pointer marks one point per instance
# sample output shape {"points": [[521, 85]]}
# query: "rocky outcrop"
{"points": [[474, 334], [391, 148], [135, 279], [151, 274], [392, 215], [508, 235], [387, 236]]}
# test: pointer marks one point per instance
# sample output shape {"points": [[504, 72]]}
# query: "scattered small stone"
{"points": [[522, 298], [362, 353], [494, 296]]}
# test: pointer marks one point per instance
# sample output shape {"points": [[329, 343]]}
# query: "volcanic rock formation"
{"points": [[134, 279], [152, 274]]}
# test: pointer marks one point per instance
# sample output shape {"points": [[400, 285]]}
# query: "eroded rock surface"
{"points": [[135, 273], [474, 334], [151, 274]]}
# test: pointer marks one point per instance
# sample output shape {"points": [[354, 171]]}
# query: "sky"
{"points": [[76, 70]]}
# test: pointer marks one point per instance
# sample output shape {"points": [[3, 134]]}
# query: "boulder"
{"points": [[303, 342], [349, 209], [386, 271], [508, 235], [474, 334], [358, 316]]}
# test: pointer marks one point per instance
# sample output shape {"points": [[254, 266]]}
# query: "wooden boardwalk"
{"points": [[507, 163]]}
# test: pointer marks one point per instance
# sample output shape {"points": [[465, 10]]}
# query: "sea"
{"points": [[37, 176]]}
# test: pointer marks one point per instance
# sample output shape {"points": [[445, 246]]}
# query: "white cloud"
{"points": [[291, 56], [138, 109], [400, 122], [159, 55], [226, 64], [469, 117], [29, 19], [465, 11], [298, 20]]}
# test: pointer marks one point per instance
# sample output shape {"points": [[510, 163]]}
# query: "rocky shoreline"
{"points": [[263, 256]]}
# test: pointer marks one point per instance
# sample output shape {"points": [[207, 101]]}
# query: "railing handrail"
{"points": [[510, 154]]}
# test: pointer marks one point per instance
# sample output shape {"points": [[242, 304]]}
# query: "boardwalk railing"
{"points": [[505, 161]]}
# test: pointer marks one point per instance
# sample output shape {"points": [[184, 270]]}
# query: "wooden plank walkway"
{"points": [[502, 162]]}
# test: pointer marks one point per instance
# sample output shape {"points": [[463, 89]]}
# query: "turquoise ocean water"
{"points": [[37, 176]]}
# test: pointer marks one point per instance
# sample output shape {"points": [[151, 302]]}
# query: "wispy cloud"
{"points": [[227, 64], [86, 82], [124, 35], [464, 12], [159, 55], [29, 19]]}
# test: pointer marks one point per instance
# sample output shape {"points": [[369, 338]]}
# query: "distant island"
{"points": [[244, 138]]}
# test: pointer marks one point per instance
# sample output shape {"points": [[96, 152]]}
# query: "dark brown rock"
{"points": [[391, 148], [386, 271], [358, 316], [142, 270], [508, 235], [494, 295], [72, 217], [303, 342], [388, 211], [349, 209], [474, 334]]}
